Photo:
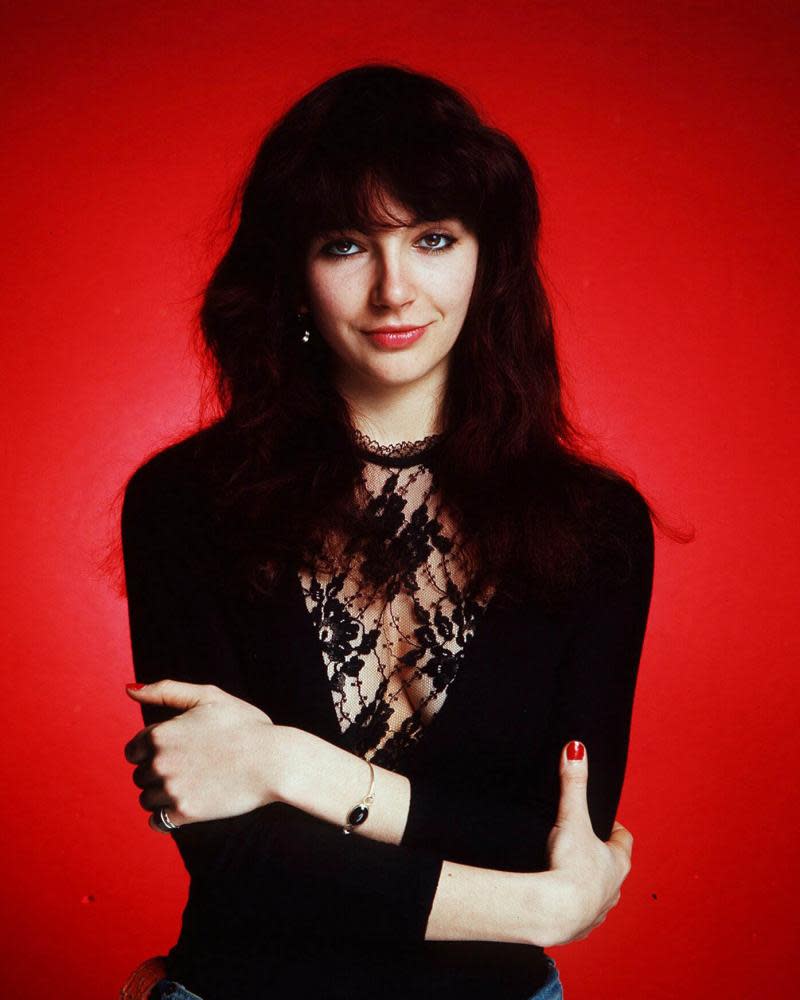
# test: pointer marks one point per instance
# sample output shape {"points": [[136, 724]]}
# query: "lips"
{"points": [[397, 329], [394, 338]]}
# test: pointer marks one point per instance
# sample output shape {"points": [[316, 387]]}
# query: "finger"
{"points": [[172, 814], [574, 771], [172, 694], [154, 797], [144, 775], [626, 837], [620, 846], [140, 748], [622, 839]]}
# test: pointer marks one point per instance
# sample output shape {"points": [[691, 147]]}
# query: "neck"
{"points": [[390, 414]]}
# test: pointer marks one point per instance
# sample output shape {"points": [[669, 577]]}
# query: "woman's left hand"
{"points": [[221, 757]]}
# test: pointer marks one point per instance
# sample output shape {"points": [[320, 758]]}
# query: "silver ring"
{"points": [[163, 822]]}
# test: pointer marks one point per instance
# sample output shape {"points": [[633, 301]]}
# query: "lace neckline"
{"points": [[401, 455]]}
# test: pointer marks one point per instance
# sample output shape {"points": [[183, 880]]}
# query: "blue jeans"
{"points": [[551, 987], [168, 989]]}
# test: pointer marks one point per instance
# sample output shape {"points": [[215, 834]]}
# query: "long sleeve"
{"points": [[598, 678], [276, 870], [594, 693]]}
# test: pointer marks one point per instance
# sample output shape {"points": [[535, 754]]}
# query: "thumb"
{"points": [[574, 771], [174, 694]]}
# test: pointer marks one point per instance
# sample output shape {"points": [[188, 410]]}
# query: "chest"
{"points": [[390, 653], [393, 613]]}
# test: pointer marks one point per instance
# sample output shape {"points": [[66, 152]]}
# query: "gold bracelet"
{"points": [[359, 812]]}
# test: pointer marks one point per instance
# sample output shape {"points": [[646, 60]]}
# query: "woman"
{"points": [[383, 610]]}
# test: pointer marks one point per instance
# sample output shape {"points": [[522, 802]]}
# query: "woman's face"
{"points": [[419, 276]]}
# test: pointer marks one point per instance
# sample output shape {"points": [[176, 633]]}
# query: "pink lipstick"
{"points": [[394, 337]]}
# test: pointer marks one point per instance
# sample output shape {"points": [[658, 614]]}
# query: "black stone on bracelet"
{"points": [[359, 813]]}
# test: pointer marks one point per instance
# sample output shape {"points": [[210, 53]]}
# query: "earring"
{"points": [[304, 326]]}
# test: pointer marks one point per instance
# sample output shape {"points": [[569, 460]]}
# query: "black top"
{"points": [[282, 904]]}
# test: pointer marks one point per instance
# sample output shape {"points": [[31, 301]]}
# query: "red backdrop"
{"points": [[664, 137]]}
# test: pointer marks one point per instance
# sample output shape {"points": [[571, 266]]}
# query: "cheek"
{"points": [[456, 287], [333, 298]]}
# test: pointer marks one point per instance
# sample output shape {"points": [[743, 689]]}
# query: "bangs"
{"points": [[370, 150], [345, 200]]}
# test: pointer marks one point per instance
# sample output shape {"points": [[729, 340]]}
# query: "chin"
{"points": [[399, 372]]}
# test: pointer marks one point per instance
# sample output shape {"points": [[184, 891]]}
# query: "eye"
{"points": [[333, 249], [438, 237]]}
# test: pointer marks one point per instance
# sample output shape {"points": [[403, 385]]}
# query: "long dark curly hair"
{"points": [[511, 467]]}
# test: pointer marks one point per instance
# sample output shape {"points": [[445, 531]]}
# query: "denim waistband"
{"points": [[168, 989]]}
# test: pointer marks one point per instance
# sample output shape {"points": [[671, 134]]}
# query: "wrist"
{"points": [[550, 905], [326, 781], [283, 765]]}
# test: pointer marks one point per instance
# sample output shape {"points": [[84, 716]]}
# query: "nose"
{"points": [[393, 285]]}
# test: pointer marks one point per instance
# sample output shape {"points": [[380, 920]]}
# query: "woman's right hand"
{"points": [[585, 875]]}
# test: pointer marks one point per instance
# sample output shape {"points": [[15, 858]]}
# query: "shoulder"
{"points": [[624, 505], [171, 490], [620, 523]]}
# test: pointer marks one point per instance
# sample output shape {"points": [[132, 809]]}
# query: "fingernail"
{"points": [[575, 750], [133, 687]]}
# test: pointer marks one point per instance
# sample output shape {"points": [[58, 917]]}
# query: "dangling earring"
{"points": [[304, 326]]}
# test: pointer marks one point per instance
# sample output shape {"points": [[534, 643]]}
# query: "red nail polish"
{"points": [[575, 750], [133, 687]]}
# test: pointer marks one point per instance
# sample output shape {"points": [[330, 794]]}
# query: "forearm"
{"points": [[326, 781], [480, 904]]}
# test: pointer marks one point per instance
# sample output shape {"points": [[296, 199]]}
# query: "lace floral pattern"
{"points": [[400, 450], [391, 658]]}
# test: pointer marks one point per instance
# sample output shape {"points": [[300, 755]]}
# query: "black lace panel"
{"points": [[391, 659]]}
